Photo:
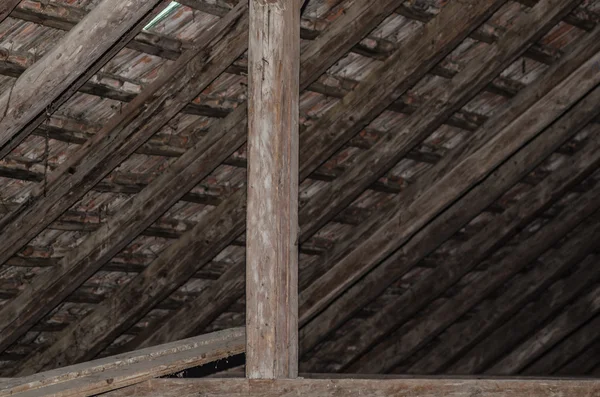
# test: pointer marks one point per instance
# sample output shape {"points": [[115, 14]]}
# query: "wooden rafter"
{"points": [[445, 225], [570, 347], [180, 177], [456, 92], [339, 121], [129, 130], [569, 320], [481, 245], [63, 69], [459, 338], [403, 342], [506, 132]]}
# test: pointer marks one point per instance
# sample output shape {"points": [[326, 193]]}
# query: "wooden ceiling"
{"points": [[450, 204]]}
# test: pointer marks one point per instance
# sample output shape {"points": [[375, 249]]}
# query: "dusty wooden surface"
{"points": [[272, 208], [356, 387], [42, 83], [111, 373]]}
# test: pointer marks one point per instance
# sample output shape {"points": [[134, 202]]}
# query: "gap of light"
{"points": [[163, 14]]}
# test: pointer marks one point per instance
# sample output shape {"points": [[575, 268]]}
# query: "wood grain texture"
{"points": [[272, 212], [192, 251], [440, 186], [409, 68], [406, 340], [567, 321], [405, 216], [364, 387], [114, 372], [460, 337], [43, 82], [6, 8], [230, 212], [569, 348], [98, 156], [453, 95], [445, 225]]}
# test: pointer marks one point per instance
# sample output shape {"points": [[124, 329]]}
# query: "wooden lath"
{"points": [[444, 226], [230, 208], [209, 312], [191, 168], [566, 93], [59, 73], [472, 164]]}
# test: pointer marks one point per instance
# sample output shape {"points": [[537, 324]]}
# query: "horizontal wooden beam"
{"points": [[114, 372], [364, 387]]}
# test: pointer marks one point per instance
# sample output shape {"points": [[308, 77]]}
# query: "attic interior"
{"points": [[449, 204]]}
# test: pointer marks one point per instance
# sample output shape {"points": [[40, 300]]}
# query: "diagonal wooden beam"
{"points": [[138, 121], [455, 93], [584, 362], [6, 8], [478, 248], [127, 131], [444, 226], [574, 345], [204, 313], [487, 351], [64, 17], [414, 214], [534, 346], [441, 186], [110, 373], [460, 337], [157, 198], [342, 121], [68, 64], [409, 338]]}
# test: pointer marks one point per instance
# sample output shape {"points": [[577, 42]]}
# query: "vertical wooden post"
{"points": [[272, 221]]}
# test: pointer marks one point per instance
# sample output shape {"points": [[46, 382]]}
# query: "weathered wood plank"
{"points": [[364, 387], [574, 345], [272, 215], [450, 179], [388, 353], [382, 87], [455, 93], [404, 217], [128, 130], [6, 8], [181, 259], [584, 362], [566, 322], [460, 337], [406, 340], [114, 372], [410, 68], [445, 225], [65, 17], [64, 64]]}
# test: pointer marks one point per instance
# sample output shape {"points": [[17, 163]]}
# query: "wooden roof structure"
{"points": [[449, 204]]}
